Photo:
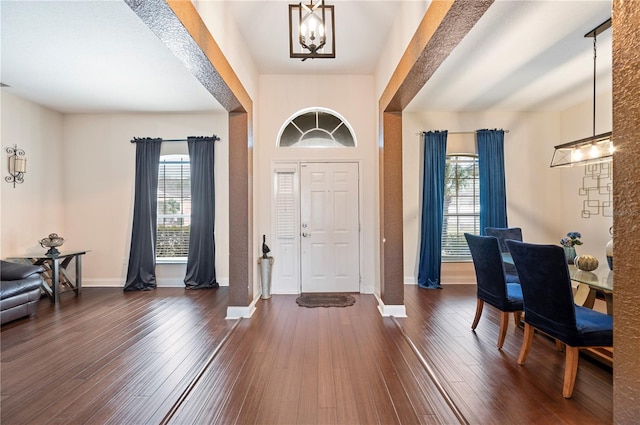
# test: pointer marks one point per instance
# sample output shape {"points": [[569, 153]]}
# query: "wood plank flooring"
{"points": [[109, 357]]}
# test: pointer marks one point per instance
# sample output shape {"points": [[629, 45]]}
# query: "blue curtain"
{"points": [[141, 272], [435, 157], [493, 197], [201, 263]]}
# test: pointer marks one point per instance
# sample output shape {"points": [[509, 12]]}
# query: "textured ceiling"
{"points": [[98, 56]]}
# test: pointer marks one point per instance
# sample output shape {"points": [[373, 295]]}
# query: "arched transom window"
{"points": [[316, 128]]}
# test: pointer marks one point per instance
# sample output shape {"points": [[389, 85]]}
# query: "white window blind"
{"points": [[174, 207], [461, 206], [285, 205]]}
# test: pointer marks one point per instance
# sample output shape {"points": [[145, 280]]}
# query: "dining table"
{"points": [[590, 283]]}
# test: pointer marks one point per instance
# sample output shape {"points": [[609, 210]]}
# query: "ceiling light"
{"points": [[597, 148], [311, 30]]}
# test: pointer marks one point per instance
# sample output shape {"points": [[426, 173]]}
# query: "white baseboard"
{"points": [[119, 283], [102, 283], [236, 312], [363, 290], [451, 274], [391, 310], [366, 289], [223, 281]]}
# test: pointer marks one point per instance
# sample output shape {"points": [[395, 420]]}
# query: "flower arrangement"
{"points": [[572, 239]]}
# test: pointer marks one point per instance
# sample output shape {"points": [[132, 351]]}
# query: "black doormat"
{"points": [[325, 300]]}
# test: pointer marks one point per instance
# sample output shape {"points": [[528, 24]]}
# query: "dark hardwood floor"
{"points": [[109, 357]]}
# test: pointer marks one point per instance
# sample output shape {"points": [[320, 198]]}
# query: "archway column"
{"points": [[178, 24], [626, 207], [443, 26], [241, 266]]}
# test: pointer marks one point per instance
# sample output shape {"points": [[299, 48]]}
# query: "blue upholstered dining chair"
{"points": [[549, 307], [492, 285], [504, 233]]}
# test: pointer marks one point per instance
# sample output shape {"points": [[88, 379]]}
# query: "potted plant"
{"points": [[568, 243]]}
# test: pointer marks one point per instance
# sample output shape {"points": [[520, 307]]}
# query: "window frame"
{"points": [[461, 245], [184, 201], [291, 125]]}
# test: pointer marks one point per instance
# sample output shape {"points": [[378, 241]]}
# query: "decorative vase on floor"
{"points": [[265, 276], [570, 253]]}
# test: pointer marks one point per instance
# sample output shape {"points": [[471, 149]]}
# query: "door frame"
{"points": [[294, 166]]}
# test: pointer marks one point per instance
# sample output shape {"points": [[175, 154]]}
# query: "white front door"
{"points": [[329, 221]]}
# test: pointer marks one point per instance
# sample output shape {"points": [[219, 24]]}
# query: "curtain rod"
{"points": [[420, 133], [217, 139], [137, 139]]}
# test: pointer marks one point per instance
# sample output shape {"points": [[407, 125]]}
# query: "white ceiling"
{"points": [[97, 56], [524, 55], [92, 56], [361, 27]]}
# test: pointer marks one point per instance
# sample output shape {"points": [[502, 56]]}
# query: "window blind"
{"points": [[285, 205], [174, 207], [461, 206]]}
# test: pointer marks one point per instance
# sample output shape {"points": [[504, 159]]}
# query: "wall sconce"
{"points": [[311, 30], [17, 165]]}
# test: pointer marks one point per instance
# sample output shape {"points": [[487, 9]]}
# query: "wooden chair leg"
{"points": [[526, 343], [504, 324], [517, 317], [476, 319], [570, 370]]}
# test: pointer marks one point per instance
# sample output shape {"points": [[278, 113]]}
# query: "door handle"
{"points": [[305, 234]]}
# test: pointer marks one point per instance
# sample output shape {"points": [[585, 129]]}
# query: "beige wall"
{"points": [[99, 188], [33, 209], [281, 96], [577, 123], [541, 200], [81, 165], [80, 184]]}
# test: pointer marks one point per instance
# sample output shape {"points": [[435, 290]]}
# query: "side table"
{"points": [[56, 277]]}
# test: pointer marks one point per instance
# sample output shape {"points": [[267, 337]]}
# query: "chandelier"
{"points": [[596, 148], [311, 30]]}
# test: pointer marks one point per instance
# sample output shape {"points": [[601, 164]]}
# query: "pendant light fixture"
{"points": [[311, 30], [597, 148]]}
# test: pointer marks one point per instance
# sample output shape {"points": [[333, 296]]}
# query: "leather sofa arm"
{"points": [[15, 271]]}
